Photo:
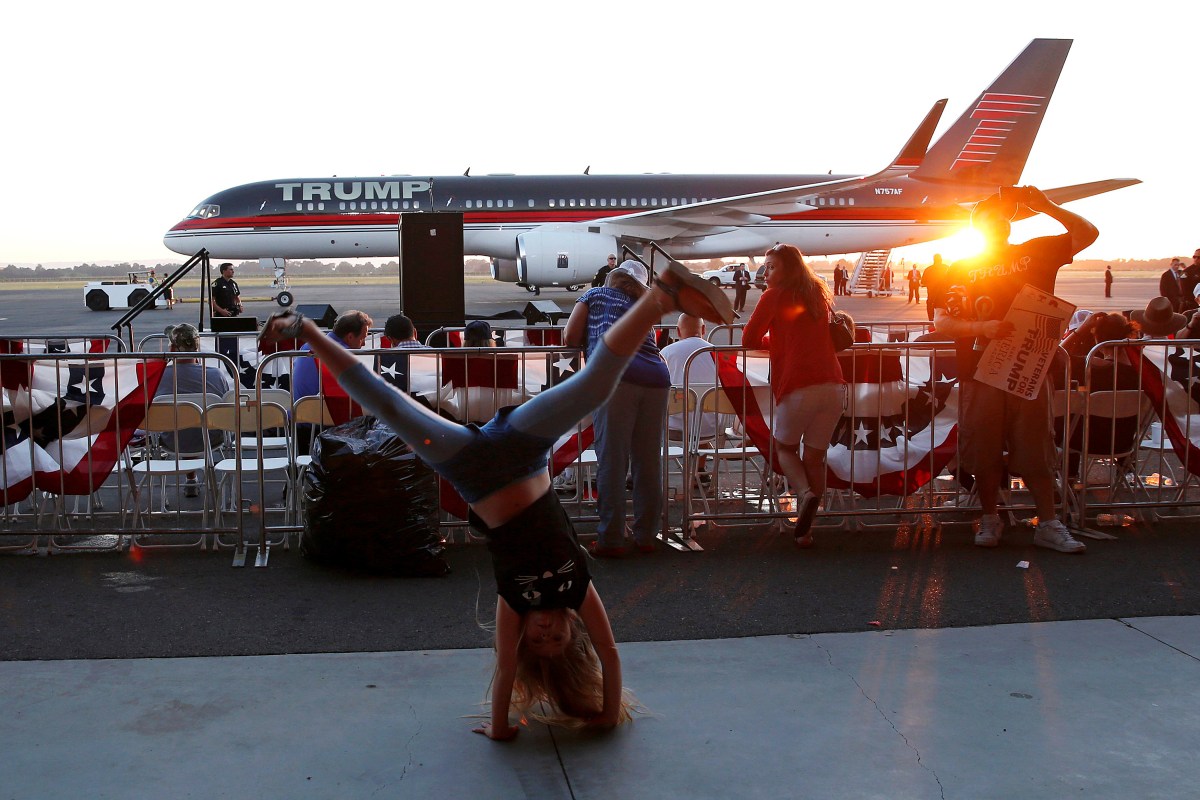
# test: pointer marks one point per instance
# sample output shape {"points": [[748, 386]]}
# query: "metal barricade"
{"points": [[72, 431], [1140, 448], [892, 459], [466, 384], [37, 344]]}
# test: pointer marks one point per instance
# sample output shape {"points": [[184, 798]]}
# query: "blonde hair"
{"points": [[565, 690]]}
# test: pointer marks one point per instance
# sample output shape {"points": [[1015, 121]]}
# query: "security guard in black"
{"points": [[226, 295]]}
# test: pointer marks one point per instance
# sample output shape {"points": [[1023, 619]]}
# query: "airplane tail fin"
{"points": [[912, 154], [990, 142]]}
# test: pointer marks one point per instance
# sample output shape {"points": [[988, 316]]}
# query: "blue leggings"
{"points": [[547, 416]]}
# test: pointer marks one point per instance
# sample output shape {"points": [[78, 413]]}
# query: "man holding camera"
{"points": [[993, 422]]}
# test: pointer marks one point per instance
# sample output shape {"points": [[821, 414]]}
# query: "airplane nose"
{"points": [[172, 244]]}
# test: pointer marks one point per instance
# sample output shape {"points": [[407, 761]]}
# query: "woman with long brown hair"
{"points": [[806, 378]]}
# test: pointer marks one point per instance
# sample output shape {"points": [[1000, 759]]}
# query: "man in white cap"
{"points": [[993, 422]]}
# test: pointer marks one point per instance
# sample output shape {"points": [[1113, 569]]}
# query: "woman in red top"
{"points": [[806, 378]]}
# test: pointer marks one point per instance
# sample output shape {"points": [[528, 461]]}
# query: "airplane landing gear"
{"points": [[285, 297]]}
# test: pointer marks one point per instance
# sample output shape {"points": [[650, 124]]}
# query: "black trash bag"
{"points": [[371, 504]]}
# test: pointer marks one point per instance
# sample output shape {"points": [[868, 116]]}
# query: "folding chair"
{"points": [[307, 411], [280, 397], [1113, 428], [714, 401], [164, 416], [245, 421]]}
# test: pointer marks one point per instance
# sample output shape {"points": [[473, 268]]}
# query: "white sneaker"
{"points": [[1054, 535], [990, 529]]}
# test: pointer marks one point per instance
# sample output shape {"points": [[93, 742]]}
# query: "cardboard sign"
{"points": [[1020, 362]]}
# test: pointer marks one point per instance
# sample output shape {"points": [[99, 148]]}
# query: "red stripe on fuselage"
{"points": [[313, 220]]}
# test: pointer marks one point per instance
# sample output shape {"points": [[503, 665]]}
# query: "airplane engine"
{"points": [[504, 269], [561, 256]]}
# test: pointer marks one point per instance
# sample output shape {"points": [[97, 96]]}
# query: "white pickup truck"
{"points": [[722, 276]]}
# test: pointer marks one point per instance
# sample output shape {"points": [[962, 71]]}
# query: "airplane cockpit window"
{"points": [[205, 211]]}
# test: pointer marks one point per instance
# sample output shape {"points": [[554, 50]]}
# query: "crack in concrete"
{"points": [[878, 710], [407, 749], [1131, 626]]}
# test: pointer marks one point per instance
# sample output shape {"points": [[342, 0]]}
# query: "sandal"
{"points": [[804, 522], [291, 331], [696, 296]]}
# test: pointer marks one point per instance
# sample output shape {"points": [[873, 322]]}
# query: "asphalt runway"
{"points": [[747, 582], [61, 311]]}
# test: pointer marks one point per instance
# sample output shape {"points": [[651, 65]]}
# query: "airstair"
{"points": [[870, 266]]}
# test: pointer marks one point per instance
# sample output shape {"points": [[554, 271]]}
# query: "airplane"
{"points": [[543, 231]]}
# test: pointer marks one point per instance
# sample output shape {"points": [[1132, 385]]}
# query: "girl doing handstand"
{"points": [[554, 643]]}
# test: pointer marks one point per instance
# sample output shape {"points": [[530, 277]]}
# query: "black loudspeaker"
{"points": [[432, 283], [320, 313], [234, 324], [543, 311]]}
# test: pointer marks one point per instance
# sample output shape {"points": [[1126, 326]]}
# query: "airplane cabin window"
{"points": [[299, 206], [416, 203], [320, 206], [674, 201], [603, 202], [612, 201], [406, 204], [572, 202], [489, 203], [644, 202], [531, 204], [510, 204], [851, 202], [468, 204], [592, 202], [552, 204], [622, 202]]}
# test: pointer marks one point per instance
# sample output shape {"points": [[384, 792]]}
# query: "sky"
{"points": [[123, 116]]}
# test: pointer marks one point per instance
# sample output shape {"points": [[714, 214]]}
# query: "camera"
{"points": [[1015, 194]]}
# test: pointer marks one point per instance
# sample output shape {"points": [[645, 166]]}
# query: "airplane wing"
{"points": [[725, 213], [1078, 191]]}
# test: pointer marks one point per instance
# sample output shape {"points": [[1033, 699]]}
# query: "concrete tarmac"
{"points": [[1098, 709]]}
